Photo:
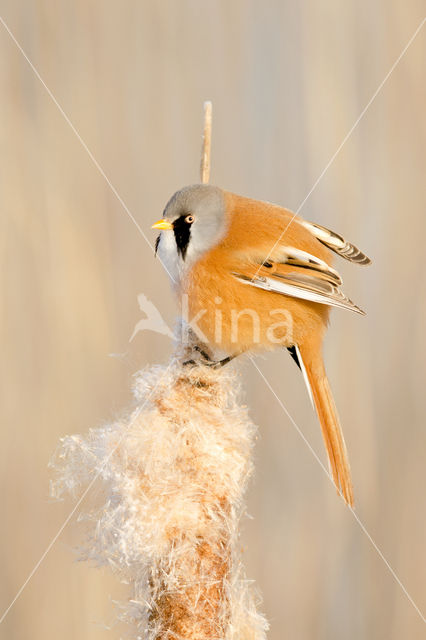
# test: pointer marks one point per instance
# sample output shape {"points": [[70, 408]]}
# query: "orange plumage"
{"points": [[254, 228]]}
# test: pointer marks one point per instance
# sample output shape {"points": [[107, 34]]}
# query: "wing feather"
{"points": [[293, 257], [337, 243], [299, 285]]}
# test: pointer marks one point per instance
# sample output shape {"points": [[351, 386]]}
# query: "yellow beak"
{"points": [[162, 224]]}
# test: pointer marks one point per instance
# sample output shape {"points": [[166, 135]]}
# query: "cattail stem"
{"points": [[207, 141]]}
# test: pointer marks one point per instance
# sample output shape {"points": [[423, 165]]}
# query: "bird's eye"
{"points": [[189, 219]]}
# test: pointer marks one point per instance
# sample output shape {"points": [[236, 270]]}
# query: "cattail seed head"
{"points": [[174, 474]]}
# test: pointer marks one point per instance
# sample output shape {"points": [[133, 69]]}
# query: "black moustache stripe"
{"points": [[182, 231], [157, 242]]}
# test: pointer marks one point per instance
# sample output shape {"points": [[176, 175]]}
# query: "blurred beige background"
{"points": [[287, 81]]}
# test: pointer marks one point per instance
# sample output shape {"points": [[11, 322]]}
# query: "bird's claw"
{"points": [[214, 364]]}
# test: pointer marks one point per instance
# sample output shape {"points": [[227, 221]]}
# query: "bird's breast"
{"points": [[232, 317]]}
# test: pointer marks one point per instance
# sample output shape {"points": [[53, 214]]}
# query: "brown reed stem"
{"points": [[207, 140]]}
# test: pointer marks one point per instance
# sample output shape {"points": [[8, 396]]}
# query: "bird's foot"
{"points": [[207, 361]]}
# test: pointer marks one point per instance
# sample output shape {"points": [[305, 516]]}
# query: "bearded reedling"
{"points": [[217, 246]]}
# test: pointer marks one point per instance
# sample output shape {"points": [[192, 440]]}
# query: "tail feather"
{"points": [[330, 425]]}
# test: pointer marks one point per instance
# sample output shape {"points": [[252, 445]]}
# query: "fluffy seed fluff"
{"points": [[174, 473]]}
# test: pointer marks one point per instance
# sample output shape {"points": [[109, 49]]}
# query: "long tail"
{"points": [[315, 376]]}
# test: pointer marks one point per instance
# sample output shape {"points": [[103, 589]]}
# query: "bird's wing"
{"points": [[287, 256], [303, 260], [336, 243], [299, 285], [299, 274]]}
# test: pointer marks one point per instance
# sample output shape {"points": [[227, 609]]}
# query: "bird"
{"points": [[255, 276]]}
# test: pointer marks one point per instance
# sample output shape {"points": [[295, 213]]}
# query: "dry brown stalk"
{"points": [[207, 141]]}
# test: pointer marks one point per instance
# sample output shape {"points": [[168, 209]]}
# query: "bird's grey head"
{"points": [[193, 222]]}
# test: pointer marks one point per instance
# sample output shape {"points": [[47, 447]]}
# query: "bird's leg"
{"points": [[205, 356], [207, 360], [223, 362], [215, 364], [203, 353]]}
